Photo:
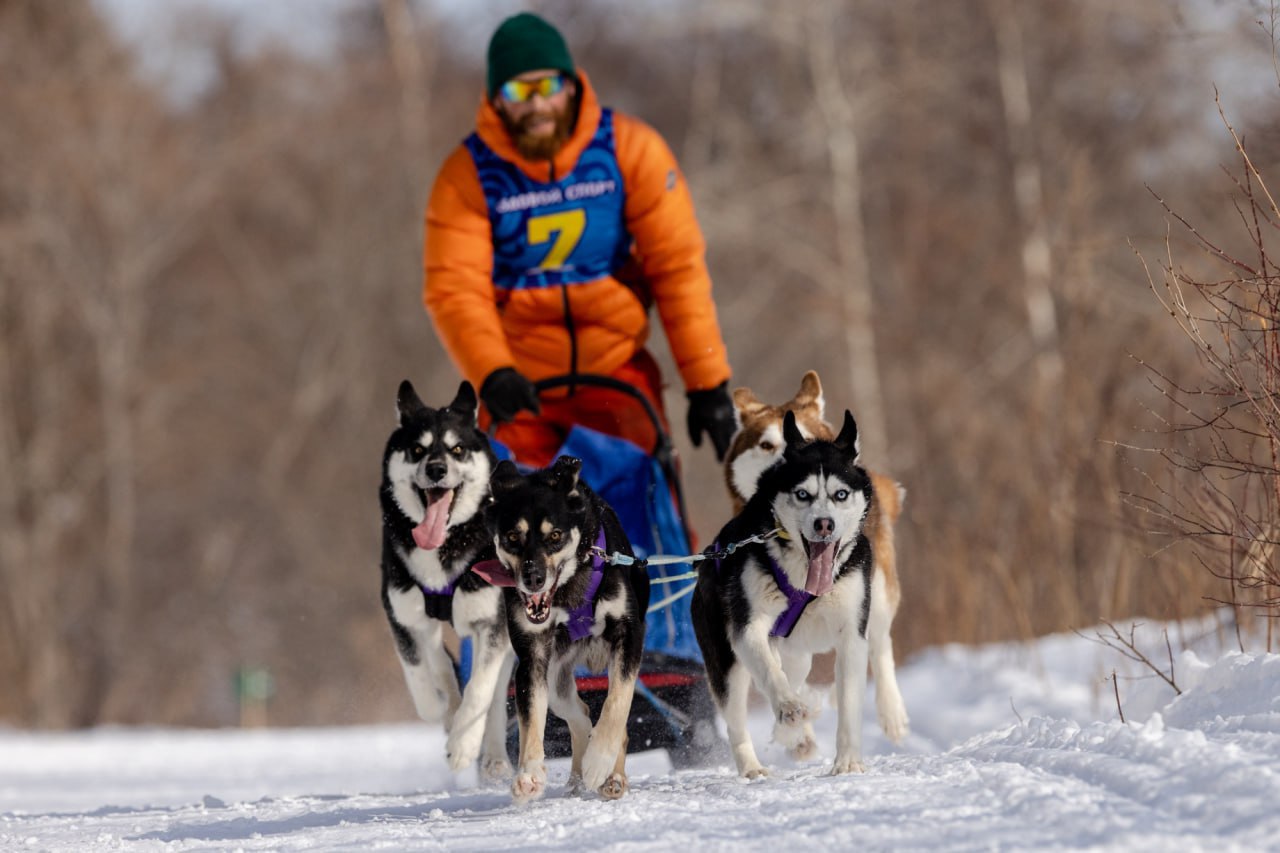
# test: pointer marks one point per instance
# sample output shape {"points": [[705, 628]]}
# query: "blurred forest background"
{"points": [[209, 295]]}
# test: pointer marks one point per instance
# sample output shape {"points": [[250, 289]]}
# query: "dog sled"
{"points": [[672, 708]]}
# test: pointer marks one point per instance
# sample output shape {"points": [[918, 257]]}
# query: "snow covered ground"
{"points": [[1013, 747]]}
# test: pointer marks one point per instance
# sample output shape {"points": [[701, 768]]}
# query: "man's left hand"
{"points": [[712, 412]]}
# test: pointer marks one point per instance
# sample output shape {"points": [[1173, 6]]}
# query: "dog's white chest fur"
{"points": [[590, 653], [825, 618], [828, 616], [476, 608], [426, 568]]}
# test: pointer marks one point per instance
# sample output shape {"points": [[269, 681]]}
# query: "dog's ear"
{"points": [[465, 402], [790, 432], [489, 513], [407, 402], [505, 478], [565, 474], [848, 440], [746, 404], [810, 393]]}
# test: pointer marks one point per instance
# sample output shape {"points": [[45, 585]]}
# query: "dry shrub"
{"points": [[1222, 434]]}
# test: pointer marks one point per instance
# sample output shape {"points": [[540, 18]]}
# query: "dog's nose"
{"points": [[534, 574], [436, 471], [824, 526]]}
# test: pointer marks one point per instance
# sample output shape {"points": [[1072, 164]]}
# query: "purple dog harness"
{"points": [[583, 617], [446, 590], [797, 599], [438, 603]]}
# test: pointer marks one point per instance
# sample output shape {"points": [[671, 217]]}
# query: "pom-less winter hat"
{"points": [[523, 43]]}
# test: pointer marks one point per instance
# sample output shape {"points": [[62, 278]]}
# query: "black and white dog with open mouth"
{"points": [[763, 611], [567, 606], [435, 485]]}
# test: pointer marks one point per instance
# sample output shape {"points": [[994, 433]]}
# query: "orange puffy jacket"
{"points": [[608, 322]]}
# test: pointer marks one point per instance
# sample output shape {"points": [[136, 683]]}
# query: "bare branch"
{"points": [[1128, 647]]}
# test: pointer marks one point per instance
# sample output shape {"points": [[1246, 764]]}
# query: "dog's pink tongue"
{"points": [[494, 572], [429, 535], [822, 559]]}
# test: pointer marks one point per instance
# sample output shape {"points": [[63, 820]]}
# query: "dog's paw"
{"points": [[893, 721], [614, 787], [804, 750], [597, 764], [895, 728], [797, 739], [791, 735], [846, 764], [530, 783], [463, 746], [792, 712], [495, 768]]}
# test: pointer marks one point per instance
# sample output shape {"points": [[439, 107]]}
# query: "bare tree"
{"points": [[850, 279], [1028, 186]]}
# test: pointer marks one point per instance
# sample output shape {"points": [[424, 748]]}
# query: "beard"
{"points": [[536, 147]]}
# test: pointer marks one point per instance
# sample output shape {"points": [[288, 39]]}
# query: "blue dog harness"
{"points": [[583, 617]]}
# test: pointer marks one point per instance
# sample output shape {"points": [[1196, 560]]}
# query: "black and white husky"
{"points": [[762, 612], [567, 606], [435, 484]]}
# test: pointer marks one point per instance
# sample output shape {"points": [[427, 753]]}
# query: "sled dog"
{"points": [[762, 612], [435, 484], [567, 607], [758, 444]]}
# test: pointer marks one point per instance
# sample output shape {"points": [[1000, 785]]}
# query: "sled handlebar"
{"points": [[595, 380], [663, 447]]}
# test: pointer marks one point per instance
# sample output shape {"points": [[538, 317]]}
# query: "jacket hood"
{"points": [[494, 134]]}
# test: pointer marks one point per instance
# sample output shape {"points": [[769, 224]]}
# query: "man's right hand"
{"points": [[505, 392]]}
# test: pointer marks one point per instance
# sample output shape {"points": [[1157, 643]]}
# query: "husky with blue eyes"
{"points": [[761, 612]]}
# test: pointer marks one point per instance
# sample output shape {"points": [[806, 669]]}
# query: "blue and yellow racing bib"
{"points": [[565, 232]]}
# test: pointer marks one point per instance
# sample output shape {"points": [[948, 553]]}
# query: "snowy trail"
{"points": [[1198, 772]]}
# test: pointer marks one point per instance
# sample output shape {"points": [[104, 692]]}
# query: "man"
{"points": [[548, 233]]}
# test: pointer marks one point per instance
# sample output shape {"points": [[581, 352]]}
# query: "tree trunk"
{"points": [[853, 285]]}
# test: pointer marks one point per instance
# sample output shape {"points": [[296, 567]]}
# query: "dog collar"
{"points": [[583, 617]]}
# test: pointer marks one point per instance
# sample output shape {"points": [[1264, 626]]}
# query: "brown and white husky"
{"points": [[759, 444]]}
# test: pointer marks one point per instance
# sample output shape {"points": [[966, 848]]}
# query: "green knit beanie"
{"points": [[525, 42]]}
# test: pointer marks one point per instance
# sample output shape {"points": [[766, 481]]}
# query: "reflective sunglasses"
{"points": [[519, 91]]}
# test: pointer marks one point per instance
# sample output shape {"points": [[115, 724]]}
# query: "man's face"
{"points": [[538, 123]]}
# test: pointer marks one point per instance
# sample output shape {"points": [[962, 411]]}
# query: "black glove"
{"points": [[505, 392], [712, 411]]}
